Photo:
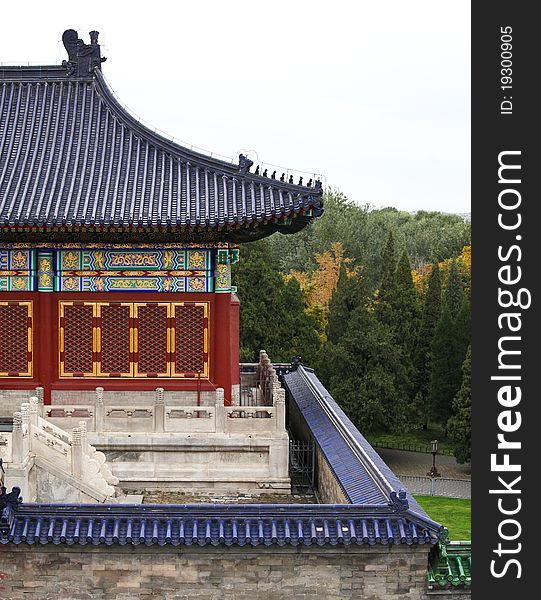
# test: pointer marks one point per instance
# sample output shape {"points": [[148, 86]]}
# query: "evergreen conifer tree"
{"points": [[462, 328], [362, 366], [459, 424], [451, 340], [446, 374], [273, 315], [423, 349], [405, 307], [387, 288], [454, 294]]}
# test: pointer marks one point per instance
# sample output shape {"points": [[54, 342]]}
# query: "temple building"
{"points": [[138, 458], [116, 244]]}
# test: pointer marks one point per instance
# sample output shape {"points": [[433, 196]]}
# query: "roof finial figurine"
{"points": [[310, 182], [291, 179], [283, 177], [273, 175], [296, 362], [265, 173], [399, 502], [257, 170], [7, 498], [244, 164], [300, 180], [82, 58]]}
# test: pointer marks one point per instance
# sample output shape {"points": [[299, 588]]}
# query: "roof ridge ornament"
{"points": [[399, 502], [83, 58], [244, 164]]}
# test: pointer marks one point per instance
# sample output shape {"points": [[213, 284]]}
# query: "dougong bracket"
{"points": [[82, 58]]}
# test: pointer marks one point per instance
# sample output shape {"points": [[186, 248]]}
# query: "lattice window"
{"points": [[77, 339], [190, 352], [125, 339], [15, 339], [114, 348], [152, 340]]}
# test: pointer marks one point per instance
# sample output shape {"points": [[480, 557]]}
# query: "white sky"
{"points": [[374, 95]]}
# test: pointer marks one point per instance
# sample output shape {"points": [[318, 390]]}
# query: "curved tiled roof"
{"points": [[216, 525], [362, 474], [73, 160]]}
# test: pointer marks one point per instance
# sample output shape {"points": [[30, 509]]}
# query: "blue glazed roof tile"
{"points": [[215, 525], [362, 474], [71, 158]]}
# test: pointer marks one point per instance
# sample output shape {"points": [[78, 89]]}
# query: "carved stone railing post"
{"points": [[220, 411], [76, 453], [235, 395], [280, 408], [99, 412], [25, 418], [159, 410], [33, 411], [84, 439], [40, 395], [17, 438]]}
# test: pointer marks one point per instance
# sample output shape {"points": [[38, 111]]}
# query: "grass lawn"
{"points": [[454, 513], [419, 437]]}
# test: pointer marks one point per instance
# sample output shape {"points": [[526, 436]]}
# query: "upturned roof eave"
{"points": [[192, 156]]}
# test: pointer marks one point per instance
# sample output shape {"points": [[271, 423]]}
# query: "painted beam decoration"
{"points": [[17, 268], [112, 269]]}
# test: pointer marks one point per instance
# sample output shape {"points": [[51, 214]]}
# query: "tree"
{"points": [[462, 328], [350, 293], [459, 425], [454, 295], [405, 306], [423, 351], [361, 363], [387, 287], [273, 313], [446, 365]]}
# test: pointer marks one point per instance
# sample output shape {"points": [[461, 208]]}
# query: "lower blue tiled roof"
{"points": [[214, 525], [362, 474]]}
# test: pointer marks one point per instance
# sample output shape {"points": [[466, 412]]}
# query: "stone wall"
{"points": [[73, 573], [329, 489], [452, 594], [181, 398], [10, 401]]}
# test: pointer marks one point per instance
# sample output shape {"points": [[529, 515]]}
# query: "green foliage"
{"points": [[350, 293], [418, 440], [363, 370], [391, 358], [459, 424], [422, 361], [387, 287], [406, 306], [451, 340], [446, 368], [453, 513], [363, 366], [273, 315], [454, 294], [428, 237]]}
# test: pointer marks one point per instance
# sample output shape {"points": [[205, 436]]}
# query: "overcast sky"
{"points": [[373, 95]]}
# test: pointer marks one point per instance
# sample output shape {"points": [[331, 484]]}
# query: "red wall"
{"points": [[223, 350]]}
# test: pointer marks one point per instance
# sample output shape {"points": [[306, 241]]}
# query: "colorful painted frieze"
{"points": [[140, 259], [109, 269], [17, 260], [133, 284]]}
